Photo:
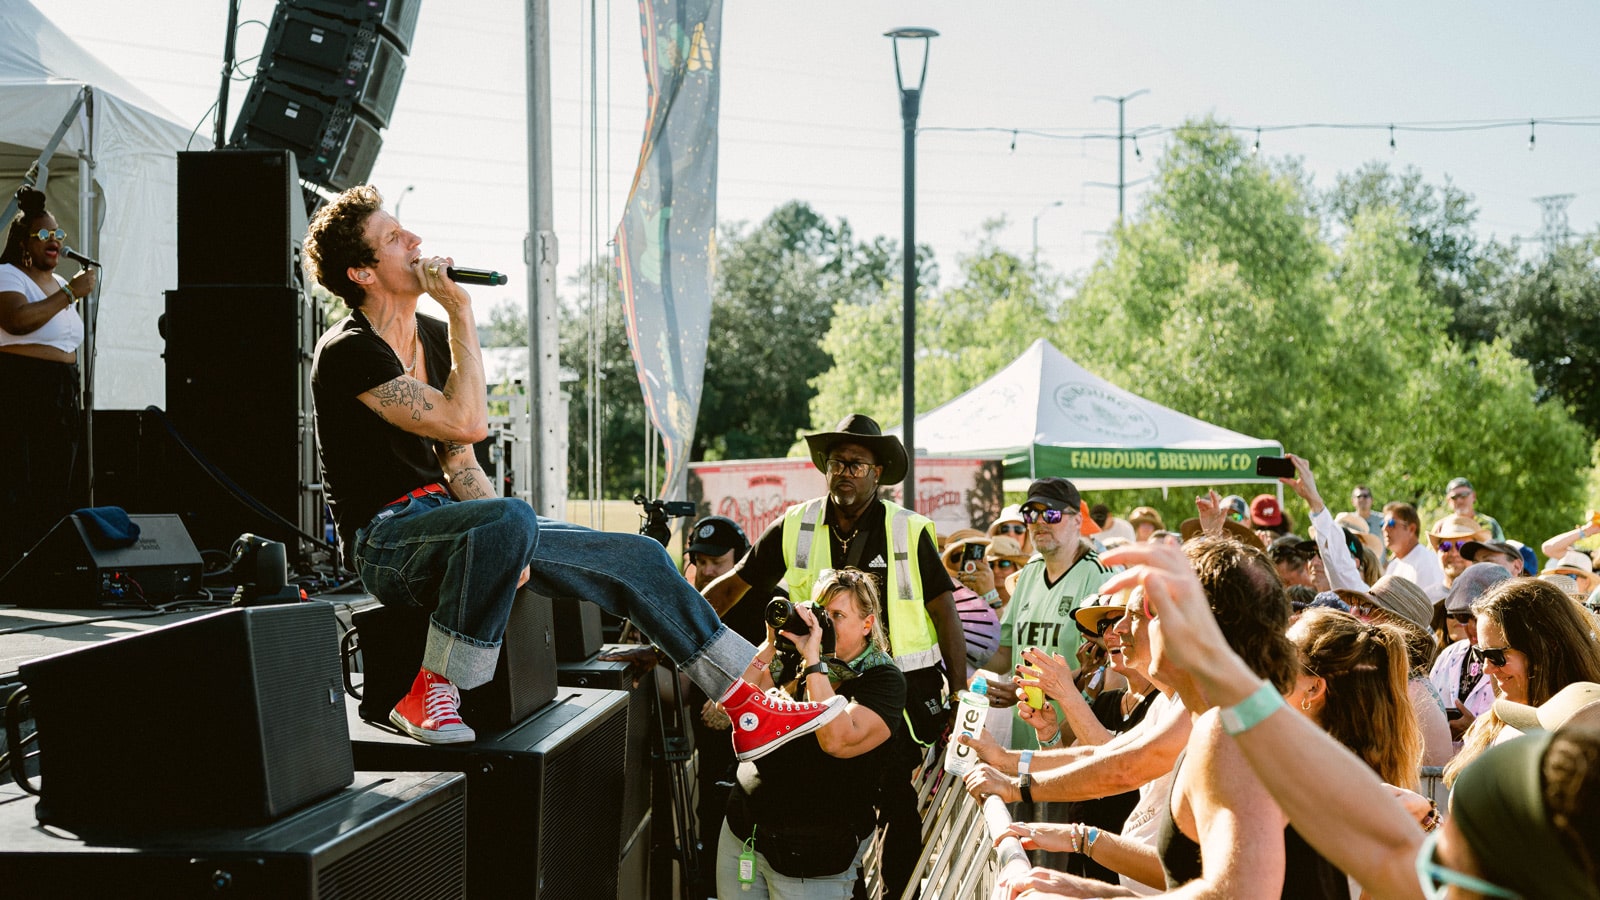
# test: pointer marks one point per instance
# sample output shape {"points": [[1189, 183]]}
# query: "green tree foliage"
{"points": [[997, 306], [1226, 298], [778, 284], [1548, 307]]}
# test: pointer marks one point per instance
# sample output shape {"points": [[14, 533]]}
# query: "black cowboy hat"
{"points": [[858, 429]]}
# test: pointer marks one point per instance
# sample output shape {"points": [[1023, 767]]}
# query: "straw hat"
{"points": [[1456, 527], [1358, 526]]}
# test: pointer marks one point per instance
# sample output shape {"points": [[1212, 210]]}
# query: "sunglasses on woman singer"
{"points": [[45, 234]]}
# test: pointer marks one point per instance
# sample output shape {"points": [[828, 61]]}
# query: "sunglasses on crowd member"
{"points": [[1447, 546], [1391, 523], [1364, 610], [1460, 495], [1436, 879], [1011, 528], [1002, 564], [1235, 515], [1495, 656], [45, 234], [1461, 618], [1362, 496], [847, 468], [1050, 516]]}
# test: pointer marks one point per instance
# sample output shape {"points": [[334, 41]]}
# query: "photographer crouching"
{"points": [[800, 818]]}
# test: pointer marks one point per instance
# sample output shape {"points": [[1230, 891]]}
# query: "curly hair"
{"points": [[1249, 603], [336, 242], [1368, 707], [1570, 782], [30, 207]]}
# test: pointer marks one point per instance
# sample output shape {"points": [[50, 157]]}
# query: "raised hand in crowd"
{"points": [[1208, 508]]}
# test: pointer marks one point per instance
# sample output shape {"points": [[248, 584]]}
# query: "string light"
{"points": [[1136, 154], [1392, 148], [1256, 147], [1530, 135]]}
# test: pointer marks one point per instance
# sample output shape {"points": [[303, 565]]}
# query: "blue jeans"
{"points": [[462, 561]]}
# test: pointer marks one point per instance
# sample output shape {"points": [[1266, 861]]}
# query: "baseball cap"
{"points": [[1471, 549], [1265, 512], [716, 535], [1053, 493], [1457, 482], [1473, 582]]}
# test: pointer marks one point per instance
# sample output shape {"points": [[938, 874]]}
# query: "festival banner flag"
{"points": [[666, 250]]}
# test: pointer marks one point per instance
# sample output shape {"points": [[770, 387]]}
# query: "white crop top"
{"points": [[64, 331]]}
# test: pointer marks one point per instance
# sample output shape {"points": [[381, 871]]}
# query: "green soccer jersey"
{"points": [[1040, 615]]}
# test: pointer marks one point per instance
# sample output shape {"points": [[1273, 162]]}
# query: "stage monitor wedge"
{"points": [[233, 718], [66, 570]]}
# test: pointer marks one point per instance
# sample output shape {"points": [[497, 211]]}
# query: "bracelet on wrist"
{"points": [[991, 597], [1088, 843], [1055, 740], [1252, 710]]}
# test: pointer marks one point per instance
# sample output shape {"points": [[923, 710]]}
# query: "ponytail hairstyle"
{"points": [[30, 208], [1368, 707]]}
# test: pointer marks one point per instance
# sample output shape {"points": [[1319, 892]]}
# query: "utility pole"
{"points": [[1122, 140]]}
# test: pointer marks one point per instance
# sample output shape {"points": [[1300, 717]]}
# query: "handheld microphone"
{"points": [[78, 258], [459, 275]]}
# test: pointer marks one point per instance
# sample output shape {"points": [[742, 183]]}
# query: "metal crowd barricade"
{"points": [[1432, 778], [959, 859]]}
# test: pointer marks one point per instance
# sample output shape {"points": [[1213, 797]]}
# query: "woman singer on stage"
{"points": [[39, 336]]}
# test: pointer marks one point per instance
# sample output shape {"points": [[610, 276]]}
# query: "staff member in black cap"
{"points": [[853, 527]]}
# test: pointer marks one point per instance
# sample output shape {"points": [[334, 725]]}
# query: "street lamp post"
{"points": [[1036, 217], [401, 199], [910, 105]]}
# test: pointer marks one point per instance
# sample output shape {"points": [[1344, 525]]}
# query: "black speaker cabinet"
{"points": [[578, 632], [389, 835], [241, 218], [334, 145], [256, 430], [130, 461], [395, 19], [231, 718], [392, 638], [65, 570], [543, 821], [595, 673], [335, 59]]}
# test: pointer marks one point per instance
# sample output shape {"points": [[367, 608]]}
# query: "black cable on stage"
{"points": [[240, 494]]}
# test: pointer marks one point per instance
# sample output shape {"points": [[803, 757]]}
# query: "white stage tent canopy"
{"points": [[1046, 415], [129, 192]]}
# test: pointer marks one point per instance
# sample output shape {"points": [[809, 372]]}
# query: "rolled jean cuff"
{"points": [[465, 662], [720, 663]]}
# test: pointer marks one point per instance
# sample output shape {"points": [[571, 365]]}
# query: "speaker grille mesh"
{"points": [[423, 860], [298, 691], [575, 822]]}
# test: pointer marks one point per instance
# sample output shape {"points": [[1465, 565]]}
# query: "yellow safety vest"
{"points": [[807, 550]]}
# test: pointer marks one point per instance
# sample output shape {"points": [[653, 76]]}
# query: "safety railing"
{"points": [[959, 859]]}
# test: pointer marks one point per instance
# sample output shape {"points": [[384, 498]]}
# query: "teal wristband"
{"points": [[1249, 712]]}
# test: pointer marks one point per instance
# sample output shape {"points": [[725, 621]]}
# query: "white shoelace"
{"points": [[442, 703]]}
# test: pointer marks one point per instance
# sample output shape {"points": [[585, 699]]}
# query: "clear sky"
{"points": [[809, 109]]}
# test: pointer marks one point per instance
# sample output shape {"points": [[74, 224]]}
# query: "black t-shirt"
{"points": [[764, 566], [800, 783], [366, 462]]}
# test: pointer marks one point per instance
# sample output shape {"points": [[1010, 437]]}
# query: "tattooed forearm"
{"points": [[470, 484], [403, 394]]}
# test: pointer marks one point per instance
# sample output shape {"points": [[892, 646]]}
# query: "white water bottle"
{"points": [[974, 708]]}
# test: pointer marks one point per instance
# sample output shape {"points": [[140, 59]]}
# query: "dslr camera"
{"points": [[781, 615]]}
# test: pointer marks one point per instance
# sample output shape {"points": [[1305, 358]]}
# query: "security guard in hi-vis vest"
{"points": [[852, 526]]}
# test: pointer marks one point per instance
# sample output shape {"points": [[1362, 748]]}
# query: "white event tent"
{"points": [[116, 166], [1046, 415]]}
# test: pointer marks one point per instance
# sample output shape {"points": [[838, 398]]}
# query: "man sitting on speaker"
{"points": [[399, 400]]}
